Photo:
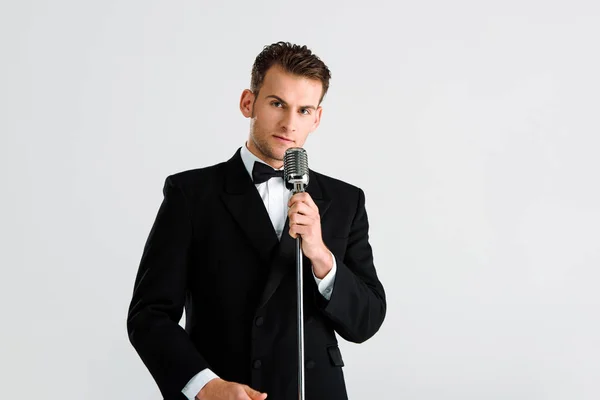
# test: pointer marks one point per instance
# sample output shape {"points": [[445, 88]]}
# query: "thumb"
{"points": [[254, 394]]}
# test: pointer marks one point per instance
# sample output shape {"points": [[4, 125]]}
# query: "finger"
{"points": [[301, 230], [242, 394], [308, 200], [254, 394], [303, 198], [302, 208], [299, 219]]}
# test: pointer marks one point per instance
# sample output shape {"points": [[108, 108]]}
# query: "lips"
{"points": [[283, 139]]}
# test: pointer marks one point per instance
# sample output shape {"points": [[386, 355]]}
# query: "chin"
{"points": [[278, 155], [274, 153]]}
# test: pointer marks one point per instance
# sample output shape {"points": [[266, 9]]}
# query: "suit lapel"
{"points": [[284, 261], [247, 208]]}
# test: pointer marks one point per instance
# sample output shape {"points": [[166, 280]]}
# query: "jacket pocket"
{"points": [[335, 356]]}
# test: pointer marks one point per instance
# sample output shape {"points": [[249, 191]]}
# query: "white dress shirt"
{"points": [[275, 196]]}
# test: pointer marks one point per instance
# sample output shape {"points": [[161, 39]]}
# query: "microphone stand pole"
{"points": [[298, 187]]}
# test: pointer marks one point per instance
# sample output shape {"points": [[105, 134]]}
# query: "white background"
{"points": [[473, 128]]}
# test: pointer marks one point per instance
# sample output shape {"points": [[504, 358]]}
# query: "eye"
{"points": [[276, 103], [305, 111]]}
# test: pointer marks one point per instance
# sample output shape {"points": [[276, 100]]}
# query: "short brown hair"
{"points": [[294, 59]]}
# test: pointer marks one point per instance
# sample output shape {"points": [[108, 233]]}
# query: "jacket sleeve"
{"points": [[159, 297], [357, 305]]}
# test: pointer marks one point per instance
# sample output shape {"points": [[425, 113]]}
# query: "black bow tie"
{"points": [[262, 173]]}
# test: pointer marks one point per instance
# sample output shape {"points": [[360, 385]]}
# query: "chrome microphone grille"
{"points": [[295, 167]]}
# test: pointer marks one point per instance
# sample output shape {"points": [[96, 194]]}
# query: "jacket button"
{"points": [[257, 364], [259, 321], [310, 364]]}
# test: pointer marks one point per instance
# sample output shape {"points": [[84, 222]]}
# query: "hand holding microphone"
{"points": [[305, 221], [303, 213]]}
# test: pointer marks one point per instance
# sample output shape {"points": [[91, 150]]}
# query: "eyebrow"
{"points": [[282, 101]]}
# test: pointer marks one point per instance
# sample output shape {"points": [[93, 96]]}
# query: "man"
{"points": [[223, 247]]}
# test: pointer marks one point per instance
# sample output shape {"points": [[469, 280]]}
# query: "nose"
{"points": [[288, 122]]}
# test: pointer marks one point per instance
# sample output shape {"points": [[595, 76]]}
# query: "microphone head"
{"points": [[295, 167]]}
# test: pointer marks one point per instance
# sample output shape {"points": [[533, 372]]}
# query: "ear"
{"points": [[317, 121], [247, 103]]}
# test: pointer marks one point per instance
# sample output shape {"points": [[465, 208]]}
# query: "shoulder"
{"points": [[335, 186], [204, 177], [193, 181], [345, 195]]}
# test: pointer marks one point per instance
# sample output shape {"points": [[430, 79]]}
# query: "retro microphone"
{"points": [[295, 176]]}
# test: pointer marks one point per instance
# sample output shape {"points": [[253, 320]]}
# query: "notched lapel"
{"points": [[247, 208], [316, 193], [282, 263]]}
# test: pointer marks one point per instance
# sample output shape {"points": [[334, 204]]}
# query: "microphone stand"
{"points": [[299, 187], [296, 175]]}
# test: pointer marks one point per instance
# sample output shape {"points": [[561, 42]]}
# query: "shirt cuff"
{"points": [[196, 384], [325, 285]]}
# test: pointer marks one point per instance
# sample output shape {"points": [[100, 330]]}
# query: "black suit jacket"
{"points": [[213, 250]]}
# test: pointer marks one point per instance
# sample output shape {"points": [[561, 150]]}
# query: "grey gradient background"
{"points": [[472, 127]]}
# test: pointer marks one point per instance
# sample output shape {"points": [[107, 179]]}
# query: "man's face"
{"points": [[285, 111]]}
